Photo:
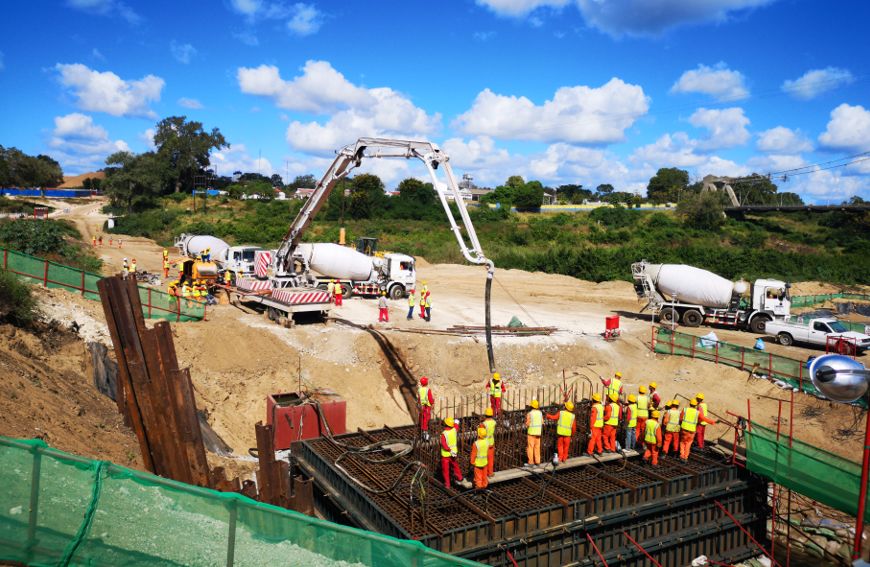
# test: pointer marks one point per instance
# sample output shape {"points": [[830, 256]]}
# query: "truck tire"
{"points": [[669, 315], [396, 292], [692, 318], [346, 290], [757, 324], [785, 339]]}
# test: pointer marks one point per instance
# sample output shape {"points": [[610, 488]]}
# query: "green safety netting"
{"points": [[820, 475], [156, 304], [805, 300], [60, 509]]}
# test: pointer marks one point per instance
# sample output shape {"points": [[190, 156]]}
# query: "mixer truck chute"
{"points": [[692, 296]]}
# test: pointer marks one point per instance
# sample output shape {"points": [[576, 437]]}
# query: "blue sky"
{"points": [[564, 91]]}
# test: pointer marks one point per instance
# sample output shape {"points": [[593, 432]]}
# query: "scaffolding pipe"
{"points": [[597, 551], [746, 532], [642, 550]]}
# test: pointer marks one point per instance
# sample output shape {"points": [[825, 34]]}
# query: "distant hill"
{"points": [[75, 181]]}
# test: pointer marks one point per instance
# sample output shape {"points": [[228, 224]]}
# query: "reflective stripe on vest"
{"points": [[536, 421], [643, 406], [650, 433], [495, 388], [566, 421], [690, 419], [615, 386], [423, 392], [449, 435], [481, 458], [633, 421], [599, 416], [489, 425], [614, 415], [673, 420]]}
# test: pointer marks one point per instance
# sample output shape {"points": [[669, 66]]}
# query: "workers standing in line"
{"points": [[613, 385], [534, 429], [338, 294], [703, 420], [425, 400], [642, 412], [449, 463], [655, 401], [672, 426], [428, 301], [566, 427], [383, 309], [412, 296], [631, 422], [596, 425], [424, 295], [652, 438], [480, 459], [489, 425], [688, 426], [611, 422], [496, 389]]}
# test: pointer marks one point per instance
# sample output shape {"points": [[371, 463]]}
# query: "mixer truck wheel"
{"points": [[346, 290], [692, 318], [757, 325], [397, 292], [670, 315]]}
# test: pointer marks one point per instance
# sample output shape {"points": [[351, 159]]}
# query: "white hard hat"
{"points": [[125, 259]]}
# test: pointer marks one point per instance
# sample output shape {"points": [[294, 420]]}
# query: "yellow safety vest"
{"points": [[411, 299], [703, 407], [650, 433], [615, 386], [449, 435], [566, 421], [690, 419], [132, 267], [673, 420], [614, 415], [536, 422], [481, 459], [338, 290], [489, 425], [423, 392], [165, 264], [633, 421], [495, 388], [228, 277], [643, 406], [599, 416]]}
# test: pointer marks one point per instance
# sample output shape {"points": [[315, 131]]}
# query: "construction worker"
{"points": [[228, 278], [642, 412], [94, 241], [480, 459], [613, 385], [119, 243], [424, 295], [612, 413], [425, 399], [165, 268], [449, 452], [165, 252], [596, 425], [496, 389], [489, 425], [194, 291], [206, 255], [534, 429], [631, 422], [566, 427], [185, 291], [383, 309], [179, 265], [125, 267], [428, 304], [100, 240], [173, 288], [133, 266], [703, 420], [110, 240], [338, 292], [655, 401], [330, 289], [688, 426], [672, 426], [411, 301], [652, 438]]}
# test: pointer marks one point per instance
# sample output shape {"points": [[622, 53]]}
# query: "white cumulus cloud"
{"points": [[519, 7], [236, 158], [80, 145], [679, 150], [718, 81], [481, 158], [783, 140], [817, 81], [726, 127], [822, 186], [189, 103], [182, 52], [107, 92], [578, 114], [848, 129], [306, 20]]}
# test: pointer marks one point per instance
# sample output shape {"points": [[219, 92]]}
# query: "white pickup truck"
{"points": [[818, 332]]}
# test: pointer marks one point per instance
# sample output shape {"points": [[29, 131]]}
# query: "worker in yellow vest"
{"points": [[179, 265], [613, 385], [173, 288], [489, 425], [228, 278], [672, 426], [631, 422], [703, 420], [194, 291], [534, 429], [596, 425], [425, 399], [652, 438], [643, 408], [424, 295], [566, 427], [611, 422], [330, 289], [688, 426], [480, 459], [165, 253], [496, 389], [412, 296], [449, 452], [165, 268], [338, 291]]}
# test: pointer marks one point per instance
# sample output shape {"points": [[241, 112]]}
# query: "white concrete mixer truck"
{"points": [[357, 273], [691, 296]]}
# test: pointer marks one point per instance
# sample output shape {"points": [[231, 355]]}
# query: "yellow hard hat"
{"points": [[656, 414], [487, 412], [632, 398], [534, 404], [481, 432], [699, 396], [675, 402], [618, 374], [448, 421], [496, 376], [613, 396], [642, 389], [694, 402], [653, 385], [596, 396], [569, 405], [423, 282]]}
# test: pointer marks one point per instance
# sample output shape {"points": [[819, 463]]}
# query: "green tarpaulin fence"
{"points": [[156, 304], [59, 509], [828, 478], [805, 300]]}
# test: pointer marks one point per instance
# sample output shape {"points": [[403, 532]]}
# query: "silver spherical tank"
{"points": [[839, 378]]}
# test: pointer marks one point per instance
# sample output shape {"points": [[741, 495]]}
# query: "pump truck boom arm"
{"points": [[350, 157]]}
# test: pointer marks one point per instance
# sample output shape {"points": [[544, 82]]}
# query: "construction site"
{"points": [[249, 432]]}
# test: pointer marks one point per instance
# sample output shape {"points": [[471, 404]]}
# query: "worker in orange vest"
{"points": [[611, 422], [672, 426], [480, 459], [643, 407], [489, 425], [652, 438], [703, 420], [425, 399], [449, 452], [496, 389], [596, 425], [688, 426], [566, 427], [534, 430]]}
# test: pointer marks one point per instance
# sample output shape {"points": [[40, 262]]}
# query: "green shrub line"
{"points": [[17, 303]]}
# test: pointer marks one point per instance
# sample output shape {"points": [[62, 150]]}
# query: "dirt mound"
{"points": [[76, 181]]}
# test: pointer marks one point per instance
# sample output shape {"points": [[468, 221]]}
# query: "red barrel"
{"points": [[611, 323]]}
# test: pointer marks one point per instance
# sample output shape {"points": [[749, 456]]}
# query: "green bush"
{"points": [[615, 217], [17, 304], [37, 237]]}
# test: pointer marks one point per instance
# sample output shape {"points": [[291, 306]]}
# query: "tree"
{"points": [[529, 196], [305, 181], [573, 194], [184, 148], [667, 184], [366, 196], [20, 169], [603, 190], [135, 181], [277, 181], [704, 211]]}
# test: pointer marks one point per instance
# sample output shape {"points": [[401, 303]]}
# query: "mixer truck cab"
{"points": [[400, 275], [240, 260], [771, 297]]}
